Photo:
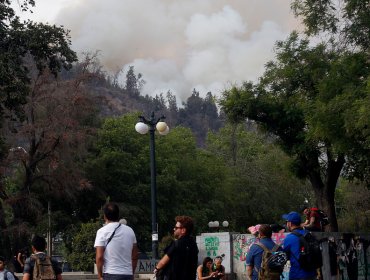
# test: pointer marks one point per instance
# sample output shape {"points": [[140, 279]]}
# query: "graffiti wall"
{"points": [[216, 244], [346, 256], [241, 246]]}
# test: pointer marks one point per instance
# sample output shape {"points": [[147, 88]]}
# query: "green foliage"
{"points": [[354, 207], [260, 187], [305, 99], [189, 180], [345, 21], [82, 257]]}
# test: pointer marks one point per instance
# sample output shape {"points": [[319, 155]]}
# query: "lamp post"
{"points": [[215, 225], [142, 127]]}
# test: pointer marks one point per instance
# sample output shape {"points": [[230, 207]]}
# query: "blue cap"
{"points": [[293, 217]]}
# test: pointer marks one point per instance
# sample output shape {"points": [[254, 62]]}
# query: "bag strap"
{"points": [[275, 248], [263, 247], [297, 234], [112, 235]]}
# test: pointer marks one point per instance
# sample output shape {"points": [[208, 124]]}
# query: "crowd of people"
{"points": [[292, 245], [117, 251]]}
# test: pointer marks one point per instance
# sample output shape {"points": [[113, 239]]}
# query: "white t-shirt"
{"points": [[118, 253]]}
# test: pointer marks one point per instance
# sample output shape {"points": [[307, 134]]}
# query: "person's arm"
{"points": [[59, 277], [162, 263], [20, 260], [27, 270], [222, 272], [199, 273], [26, 276], [99, 259], [249, 272], [306, 223], [134, 257], [312, 221]]}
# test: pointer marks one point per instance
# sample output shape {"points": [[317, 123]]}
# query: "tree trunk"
{"points": [[324, 188]]}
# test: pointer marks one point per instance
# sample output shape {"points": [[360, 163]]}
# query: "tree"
{"points": [[304, 98], [345, 22], [260, 187], [48, 47], [47, 148], [133, 83], [82, 255], [189, 180]]}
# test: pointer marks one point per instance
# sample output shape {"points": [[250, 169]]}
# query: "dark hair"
{"points": [[2, 259], [206, 260], [186, 222], [265, 230], [111, 211], [39, 243]]}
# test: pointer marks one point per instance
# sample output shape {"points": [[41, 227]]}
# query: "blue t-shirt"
{"points": [[291, 247], [254, 256]]}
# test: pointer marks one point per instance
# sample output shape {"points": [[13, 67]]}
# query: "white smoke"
{"points": [[176, 45]]}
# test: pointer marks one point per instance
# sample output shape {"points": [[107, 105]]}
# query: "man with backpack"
{"points": [[39, 266], [259, 254], [296, 248], [4, 273]]}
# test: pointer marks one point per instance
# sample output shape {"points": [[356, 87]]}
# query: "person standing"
{"points": [[181, 257], [292, 248], [38, 248], [254, 256], [4, 273], [116, 247]]}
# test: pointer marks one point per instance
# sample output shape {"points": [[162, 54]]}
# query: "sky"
{"points": [[176, 45]]}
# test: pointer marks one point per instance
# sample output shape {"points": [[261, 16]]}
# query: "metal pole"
{"points": [[49, 239], [153, 185]]}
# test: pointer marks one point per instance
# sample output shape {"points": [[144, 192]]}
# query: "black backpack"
{"points": [[324, 219], [310, 257]]}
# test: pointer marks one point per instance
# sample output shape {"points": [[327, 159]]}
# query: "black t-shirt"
{"points": [[183, 254]]}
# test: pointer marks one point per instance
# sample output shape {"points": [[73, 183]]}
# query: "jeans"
{"points": [[107, 276]]}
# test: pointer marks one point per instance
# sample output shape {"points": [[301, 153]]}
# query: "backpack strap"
{"points": [[297, 234], [263, 247], [275, 248], [112, 235]]}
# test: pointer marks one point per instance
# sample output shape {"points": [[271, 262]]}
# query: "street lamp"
{"points": [[216, 225], [142, 127]]}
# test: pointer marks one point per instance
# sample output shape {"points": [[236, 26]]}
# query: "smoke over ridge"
{"points": [[177, 45]]}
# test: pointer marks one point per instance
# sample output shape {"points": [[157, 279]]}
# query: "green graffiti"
{"points": [[212, 245]]}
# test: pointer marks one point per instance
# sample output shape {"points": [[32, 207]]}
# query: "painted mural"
{"points": [[346, 256]]}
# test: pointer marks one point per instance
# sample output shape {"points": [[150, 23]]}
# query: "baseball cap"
{"points": [[293, 217]]}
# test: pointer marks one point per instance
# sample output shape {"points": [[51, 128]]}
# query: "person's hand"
{"points": [[214, 274]]}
